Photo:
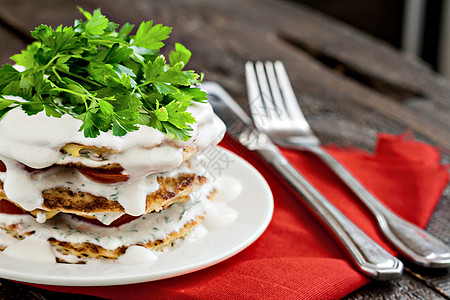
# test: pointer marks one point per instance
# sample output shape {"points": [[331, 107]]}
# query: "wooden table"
{"points": [[350, 85]]}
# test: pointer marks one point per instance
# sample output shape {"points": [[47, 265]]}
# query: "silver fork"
{"points": [[276, 112]]}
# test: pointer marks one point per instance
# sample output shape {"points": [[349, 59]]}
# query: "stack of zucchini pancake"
{"points": [[99, 141]]}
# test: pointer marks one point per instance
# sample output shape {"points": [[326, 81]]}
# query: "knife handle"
{"points": [[368, 256]]}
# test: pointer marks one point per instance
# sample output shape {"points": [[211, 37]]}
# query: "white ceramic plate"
{"points": [[254, 207]]}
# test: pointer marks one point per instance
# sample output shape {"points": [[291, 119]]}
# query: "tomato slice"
{"points": [[2, 166], [7, 207], [116, 223], [104, 176]]}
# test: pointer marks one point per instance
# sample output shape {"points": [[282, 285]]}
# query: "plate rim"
{"points": [[172, 272]]}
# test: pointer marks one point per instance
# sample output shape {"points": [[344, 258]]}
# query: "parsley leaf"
{"points": [[181, 54], [151, 37], [8, 74], [26, 57], [96, 24], [177, 115], [107, 79]]}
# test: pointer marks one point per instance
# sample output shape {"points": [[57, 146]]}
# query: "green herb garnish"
{"points": [[105, 77]]}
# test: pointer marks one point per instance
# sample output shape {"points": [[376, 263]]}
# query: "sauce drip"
{"points": [[140, 153], [31, 249], [124, 219], [145, 228]]}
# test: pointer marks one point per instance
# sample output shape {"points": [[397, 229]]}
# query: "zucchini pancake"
{"points": [[100, 139]]}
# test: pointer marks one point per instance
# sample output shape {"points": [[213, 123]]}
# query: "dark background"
{"points": [[383, 19]]}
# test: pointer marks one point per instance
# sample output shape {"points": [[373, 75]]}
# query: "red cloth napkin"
{"points": [[296, 258]]}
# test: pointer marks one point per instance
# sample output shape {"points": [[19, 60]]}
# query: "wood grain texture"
{"points": [[10, 44], [14, 291], [233, 37], [350, 85]]}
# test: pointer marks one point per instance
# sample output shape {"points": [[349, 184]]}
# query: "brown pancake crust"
{"points": [[171, 190], [90, 250], [95, 251]]}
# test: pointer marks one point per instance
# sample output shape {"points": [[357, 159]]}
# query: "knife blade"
{"points": [[368, 257]]}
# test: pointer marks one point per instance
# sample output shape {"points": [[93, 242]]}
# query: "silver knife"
{"points": [[368, 257]]}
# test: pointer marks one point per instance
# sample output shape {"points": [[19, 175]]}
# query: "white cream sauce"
{"points": [[137, 255], [31, 249], [36, 142], [106, 218], [228, 189], [145, 154], [145, 229], [130, 194]]}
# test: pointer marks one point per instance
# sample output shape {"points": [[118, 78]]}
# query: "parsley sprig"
{"points": [[104, 76]]}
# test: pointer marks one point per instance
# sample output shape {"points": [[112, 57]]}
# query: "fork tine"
{"points": [[266, 93], [254, 96], [276, 92], [292, 105]]}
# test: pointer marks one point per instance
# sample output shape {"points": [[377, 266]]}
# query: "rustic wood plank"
{"points": [[356, 55], [439, 225], [360, 52], [10, 44], [12, 291], [309, 30], [25, 16], [404, 288]]}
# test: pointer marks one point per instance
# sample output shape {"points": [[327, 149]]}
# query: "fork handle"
{"points": [[412, 242], [369, 257]]}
